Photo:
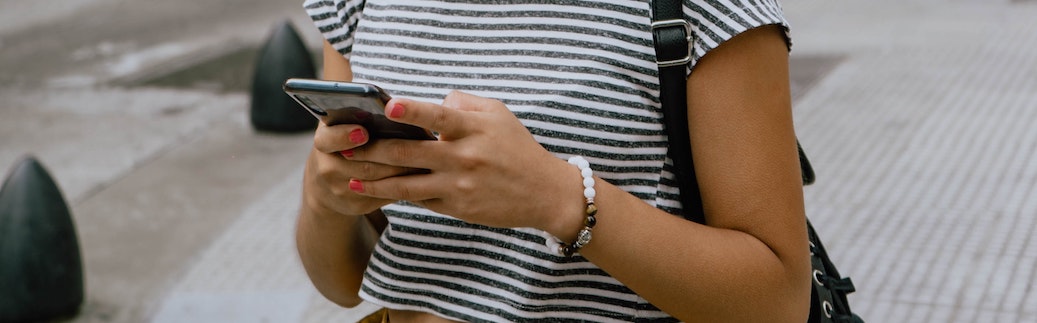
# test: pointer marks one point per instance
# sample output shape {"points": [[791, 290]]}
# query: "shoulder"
{"points": [[717, 21], [336, 20]]}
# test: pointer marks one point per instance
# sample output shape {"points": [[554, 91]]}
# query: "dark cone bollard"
{"points": [[283, 56], [41, 273]]}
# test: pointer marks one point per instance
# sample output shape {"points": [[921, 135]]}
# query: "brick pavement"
{"points": [[926, 150]]}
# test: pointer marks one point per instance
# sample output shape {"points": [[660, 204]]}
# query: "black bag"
{"points": [[673, 40]]}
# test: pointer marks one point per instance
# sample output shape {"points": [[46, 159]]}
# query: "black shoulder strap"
{"points": [[673, 41], [672, 34]]}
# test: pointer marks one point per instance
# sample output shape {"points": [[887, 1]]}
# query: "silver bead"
{"points": [[584, 238]]}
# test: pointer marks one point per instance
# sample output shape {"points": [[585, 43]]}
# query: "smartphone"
{"points": [[335, 103]]}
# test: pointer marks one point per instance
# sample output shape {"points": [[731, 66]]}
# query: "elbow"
{"points": [[341, 298], [333, 284], [799, 309], [796, 307], [793, 297], [785, 302], [335, 288], [332, 270], [793, 307], [788, 297]]}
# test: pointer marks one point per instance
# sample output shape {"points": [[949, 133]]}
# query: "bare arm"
{"points": [[333, 240], [751, 264]]}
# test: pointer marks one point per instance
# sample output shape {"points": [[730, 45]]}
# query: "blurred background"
{"points": [[919, 117]]}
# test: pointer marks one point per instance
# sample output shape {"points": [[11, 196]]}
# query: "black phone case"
{"points": [[337, 103]]}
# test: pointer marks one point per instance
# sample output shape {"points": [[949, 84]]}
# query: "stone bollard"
{"points": [[283, 56], [41, 273]]}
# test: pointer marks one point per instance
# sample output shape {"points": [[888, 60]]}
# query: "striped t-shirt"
{"points": [[582, 77]]}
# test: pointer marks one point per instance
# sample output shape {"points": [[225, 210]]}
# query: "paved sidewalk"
{"points": [[251, 273], [922, 134], [926, 151]]}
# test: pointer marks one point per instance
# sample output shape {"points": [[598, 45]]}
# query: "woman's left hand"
{"points": [[486, 168]]}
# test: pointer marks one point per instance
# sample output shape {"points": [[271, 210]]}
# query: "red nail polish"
{"points": [[357, 136], [396, 111], [356, 186], [347, 153]]}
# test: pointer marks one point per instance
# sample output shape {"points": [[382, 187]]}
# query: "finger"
{"points": [[427, 115], [407, 188], [374, 171], [343, 169], [421, 154], [333, 139]]}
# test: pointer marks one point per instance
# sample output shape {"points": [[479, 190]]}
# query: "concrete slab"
{"points": [[255, 255], [90, 137], [243, 307], [141, 233], [105, 40]]}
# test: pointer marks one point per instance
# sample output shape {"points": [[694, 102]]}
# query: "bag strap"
{"points": [[672, 34], [673, 46]]}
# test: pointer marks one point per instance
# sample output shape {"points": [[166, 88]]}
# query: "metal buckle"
{"points": [[687, 32]]}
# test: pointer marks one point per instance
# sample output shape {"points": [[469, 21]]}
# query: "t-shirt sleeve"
{"points": [[336, 20], [716, 21]]}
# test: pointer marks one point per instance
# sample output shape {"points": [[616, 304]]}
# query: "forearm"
{"points": [[751, 264], [695, 272], [334, 249]]}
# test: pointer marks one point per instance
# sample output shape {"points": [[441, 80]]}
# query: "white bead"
{"points": [[583, 163], [552, 244], [589, 193], [584, 236]]}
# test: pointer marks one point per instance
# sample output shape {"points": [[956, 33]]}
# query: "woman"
{"points": [[468, 228]]}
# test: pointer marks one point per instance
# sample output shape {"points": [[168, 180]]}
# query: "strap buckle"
{"points": [[687, 37]]}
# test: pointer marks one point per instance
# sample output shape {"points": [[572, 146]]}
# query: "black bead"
{"points": [[567, 251]]}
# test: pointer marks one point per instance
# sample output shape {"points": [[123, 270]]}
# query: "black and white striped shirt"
{"points": [[581, 75]]}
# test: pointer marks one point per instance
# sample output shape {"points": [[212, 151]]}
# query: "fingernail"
{"points": [[396, 111], [357, 136], [347, 153], [356, 186]]}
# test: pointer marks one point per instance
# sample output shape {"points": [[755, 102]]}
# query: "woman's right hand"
{"points": [[327, 177]]}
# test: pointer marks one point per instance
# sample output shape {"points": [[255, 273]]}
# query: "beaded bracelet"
{"points": [[584, 236]]}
